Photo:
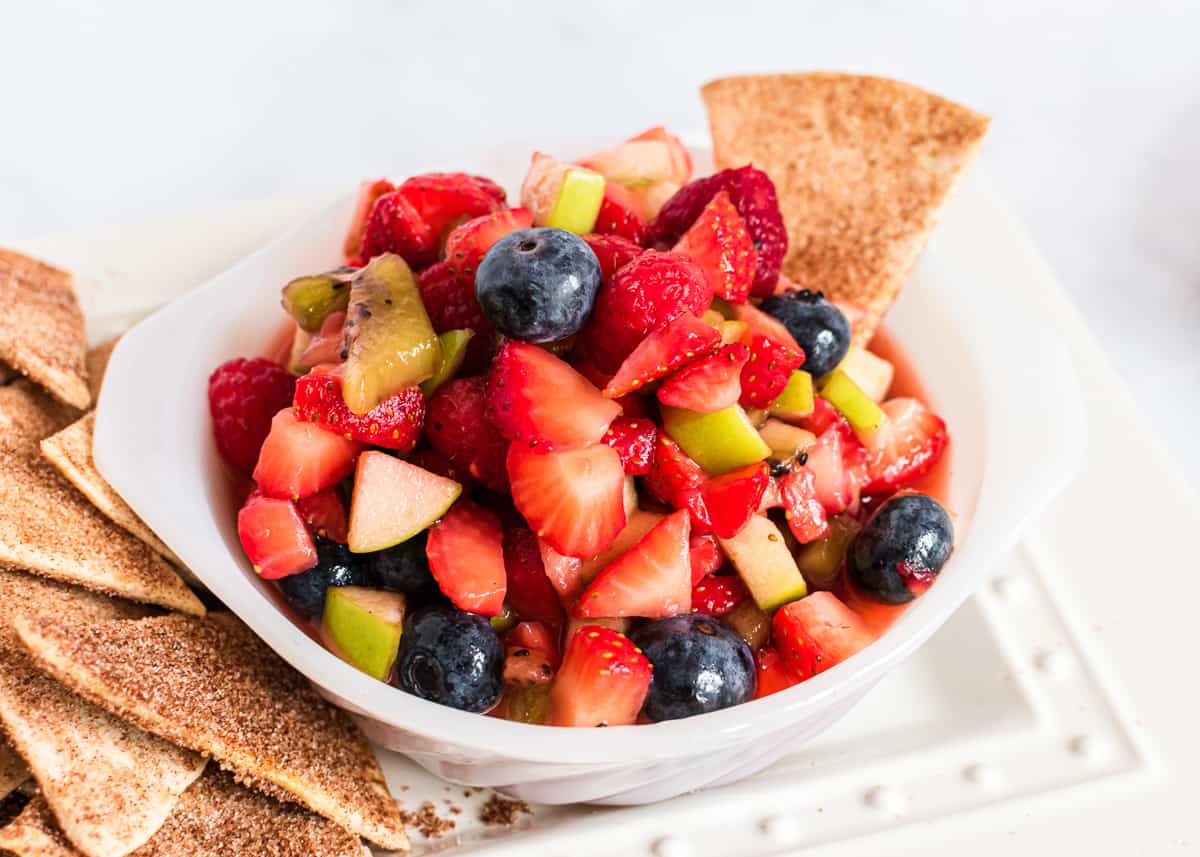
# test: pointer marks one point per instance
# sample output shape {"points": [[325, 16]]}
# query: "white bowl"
{"points": [[1000, 377]]}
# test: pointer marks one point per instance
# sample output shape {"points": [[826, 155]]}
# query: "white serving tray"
{"points": [[1071, 679]]}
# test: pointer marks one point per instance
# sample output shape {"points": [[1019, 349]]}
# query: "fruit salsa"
{"points": [[589, 460]]}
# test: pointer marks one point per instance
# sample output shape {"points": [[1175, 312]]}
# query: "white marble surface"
{"points": [[121, 111]]}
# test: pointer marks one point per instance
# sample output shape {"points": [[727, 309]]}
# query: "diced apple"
{"points": [[454, 352], [394, 500], [820, 561], [851, 402], [365, 627], [869, 371], [719, 442], [763, 561], [786, 441], [578, 201], [796, 401]]}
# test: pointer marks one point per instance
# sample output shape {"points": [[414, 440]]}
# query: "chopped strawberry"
{"points": [[274, 537], [705, 555], [444, 200], [716, 595], [468, 244], [394, 423], [573, 499], [773, 675], [642, 296], [466, 557], [766, 373], [451, 305], [652, 579], [525, 667], [709, 384], [759, 322], [565, 573], [458, 428], [536, 635], [753, 195], [243, 397], [678, 343], [537, 400], [299, 459], [805, 514], [529, 590], [772, 498], [325, 346], [620, 213], [395, 226], [905, 447], [368, 193], [672, 473], [603, 680], [823, 416], [719, 243], [653, 156], [838, 464], [633, 439], [613, 252], [326, 516], [439, 463], [816, 633], [733, 498]]}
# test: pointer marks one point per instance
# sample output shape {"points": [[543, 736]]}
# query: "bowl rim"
{"points": [[999, 512]]}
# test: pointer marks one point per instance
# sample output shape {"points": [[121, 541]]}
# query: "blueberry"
{"points": [[336, 566], [451, 658], [818, 327], [403, 568], [901, 550], [699, 666], [538, 285]]}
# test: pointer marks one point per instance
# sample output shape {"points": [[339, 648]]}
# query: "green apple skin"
{"points": [[856, 406], [719, 442], [762, 559], [454, 352], [796, 400], [578, 201], [365, 626]]}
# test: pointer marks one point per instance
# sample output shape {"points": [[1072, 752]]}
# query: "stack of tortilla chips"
{"points": [[132, 720]]}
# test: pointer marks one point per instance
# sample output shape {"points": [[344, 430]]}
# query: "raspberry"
{"points": [[457, 428], [451, 305], [643, 296], [243, 396], [753, 195], [613, 253]]}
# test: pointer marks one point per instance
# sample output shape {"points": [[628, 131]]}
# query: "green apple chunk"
{"points": [[394, 500], [821, 560], [796, 400], [310, 299], [454, 351], [578, 201], [390, 343], [856, 406], [763, 561], [719, 442], [364, 626], [869, 371], [786, 441]]}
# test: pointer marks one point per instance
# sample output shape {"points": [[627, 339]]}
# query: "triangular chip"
{"points": [[110, 785], [214, 818], [97, 364], [70, 450], [12, 769], [212, 686], [49, 528], [41, 328], [862, 166]]}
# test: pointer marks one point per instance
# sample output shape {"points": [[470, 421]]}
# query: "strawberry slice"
{"points": [[676, 480], [805, 514], [621, 214], [838, 464], [710, 384], [573, 499], [733, 498], [652, 579], [468, 244], [766, 373], [633, 439], [444, 200], [773, 675], [681, 341], [325, 514], [716, 595], [537, 399], [458, 428], [274, 537], [816, 633], [395, 226], [764, 324], [613, 252], [905, 447], [368, 194], [705, 555], [394, 423], [466, 557], [603, 680], [565, 573], [530, 592], [538, 636], [719, 243], [299, 459]]}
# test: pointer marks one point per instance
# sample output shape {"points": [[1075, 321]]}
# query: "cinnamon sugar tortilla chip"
{"points": [[41, 327], [12, 769], [862, 166], [70, 450], [110, 785], [215, 817], [97, 364], [49, 528], [212, 686]]}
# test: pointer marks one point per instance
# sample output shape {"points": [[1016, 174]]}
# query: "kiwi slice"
{"points": [[821, 560], [311, 299], [389, 341], [454, 352], [750, 623]]}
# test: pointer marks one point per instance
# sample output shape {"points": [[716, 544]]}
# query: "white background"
{"points": [[122, 111]]}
